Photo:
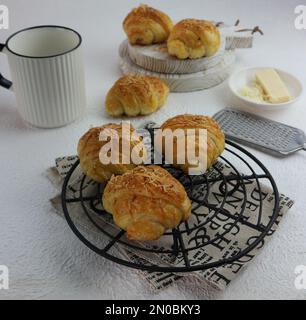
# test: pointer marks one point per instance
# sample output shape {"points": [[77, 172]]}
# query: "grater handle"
{"points": [[285, 153]]}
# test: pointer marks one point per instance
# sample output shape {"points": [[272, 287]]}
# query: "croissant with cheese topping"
{"points": [[146, 201], [134, 95], [210, 147], [191, 38], [90, 145], [145, 25]]}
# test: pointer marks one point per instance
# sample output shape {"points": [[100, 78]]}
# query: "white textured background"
{"points": [[44, 258]]}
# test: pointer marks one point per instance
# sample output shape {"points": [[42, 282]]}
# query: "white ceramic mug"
{"points": [[47, 71]]}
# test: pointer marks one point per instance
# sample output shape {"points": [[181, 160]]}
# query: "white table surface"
{"points": [[45, 259]]}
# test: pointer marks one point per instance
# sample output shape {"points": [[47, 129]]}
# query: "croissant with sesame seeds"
{"points": [[192, 38], [145, 25], [146, 201], [134, 95]]}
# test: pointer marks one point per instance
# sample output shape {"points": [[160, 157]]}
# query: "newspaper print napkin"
{"points": [[228, 245]]}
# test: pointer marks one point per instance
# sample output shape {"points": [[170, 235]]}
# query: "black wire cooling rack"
{"points": [[104, 238]]}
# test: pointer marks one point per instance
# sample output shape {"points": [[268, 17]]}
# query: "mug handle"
{"points": [[3, 81]]}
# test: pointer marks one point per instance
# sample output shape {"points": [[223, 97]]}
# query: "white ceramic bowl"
{"points": [[246, 77]]}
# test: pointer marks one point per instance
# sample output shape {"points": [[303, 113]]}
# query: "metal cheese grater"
{"points": [[261, 133]]}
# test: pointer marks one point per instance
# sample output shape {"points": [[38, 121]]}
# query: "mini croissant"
{"points": [[145, 25], [191, 38], [136, 95], [211, 150], [90, 145], [146, 201]]}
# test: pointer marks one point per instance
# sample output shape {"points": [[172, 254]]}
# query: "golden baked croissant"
{"points": [[191, 38], [146, 201], [136, 95], [211, 151], [89, 147], [145, 25]]}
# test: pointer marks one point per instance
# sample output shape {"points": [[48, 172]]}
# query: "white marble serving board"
{"points": [[156, 58], [182, 82]]}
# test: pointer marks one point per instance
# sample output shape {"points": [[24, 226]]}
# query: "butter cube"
{"points": [[272, 85]]}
